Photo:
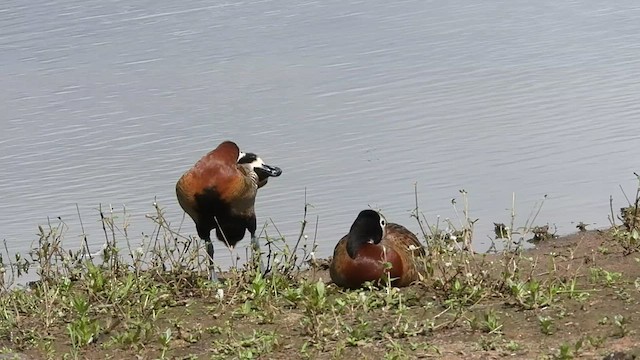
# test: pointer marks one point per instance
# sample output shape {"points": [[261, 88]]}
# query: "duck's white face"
{"points": [[252, 161], [256, 165], [383, 224]]}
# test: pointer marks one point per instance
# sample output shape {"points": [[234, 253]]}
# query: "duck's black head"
{"points": [[369, 227]]}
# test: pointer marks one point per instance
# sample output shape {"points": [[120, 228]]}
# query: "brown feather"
{"points": [[218, 193], [219, 172]]}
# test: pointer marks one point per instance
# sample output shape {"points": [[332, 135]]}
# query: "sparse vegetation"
{"points": [[570, 297]]}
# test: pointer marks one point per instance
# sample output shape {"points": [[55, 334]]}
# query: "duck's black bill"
{"points": [[267, 170]]}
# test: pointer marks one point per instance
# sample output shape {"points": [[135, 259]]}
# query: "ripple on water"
{"points": [[109, 102]]}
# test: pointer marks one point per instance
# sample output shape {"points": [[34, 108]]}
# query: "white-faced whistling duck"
{"points": [[360, 256], [219, 192]]}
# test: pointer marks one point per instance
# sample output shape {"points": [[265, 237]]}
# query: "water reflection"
{"points": [[108, 103]]}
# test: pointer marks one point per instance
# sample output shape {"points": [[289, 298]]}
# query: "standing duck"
{"points": [[219, 192]]}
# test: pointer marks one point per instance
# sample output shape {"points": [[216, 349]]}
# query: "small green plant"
{"points": [[487, 321], [314, 302], [628, 235], [83, 330], [245, 346], [546, 324], [604, 320], [565, 352], [395, 351], [358, 333], [621, 325], [596, 341], [571, 289], [463, 292], [513, 346], [569, 351], [533, 294], [608, 278], [490, 343], [165, 341]]}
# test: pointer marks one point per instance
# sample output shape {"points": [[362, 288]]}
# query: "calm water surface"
{"points": [[108, 102]]}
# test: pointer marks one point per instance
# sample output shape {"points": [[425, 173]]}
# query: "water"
{"points": [[109, 102]]}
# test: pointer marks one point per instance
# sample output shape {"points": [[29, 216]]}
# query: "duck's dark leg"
{"points": [[255, 245], [204, 233], [212, 271]]}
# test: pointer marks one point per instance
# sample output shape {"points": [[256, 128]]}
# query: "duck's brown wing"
{"points": [[405, 239], [338, 262], [408, 247]]}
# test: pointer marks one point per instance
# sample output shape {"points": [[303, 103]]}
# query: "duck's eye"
{"points": [[383, 223]]}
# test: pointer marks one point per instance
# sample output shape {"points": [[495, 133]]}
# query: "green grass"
{"points": [[150, 297]]}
